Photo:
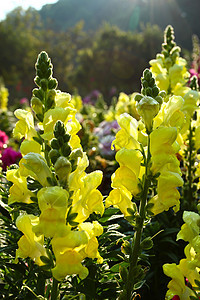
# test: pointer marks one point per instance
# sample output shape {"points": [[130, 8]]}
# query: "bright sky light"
{"points": [[8, 5]]}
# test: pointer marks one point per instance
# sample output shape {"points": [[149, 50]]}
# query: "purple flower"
{"points": [[105, 145], [106, 128], [3, 139], [9, 157], [87, 100], [95, 94]]}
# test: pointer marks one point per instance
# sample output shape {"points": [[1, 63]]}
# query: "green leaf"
{"points": [[45, 259], [138, 285]]}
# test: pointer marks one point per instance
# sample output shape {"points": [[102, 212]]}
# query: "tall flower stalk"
{"points": [[57, 235], [147, 162]]}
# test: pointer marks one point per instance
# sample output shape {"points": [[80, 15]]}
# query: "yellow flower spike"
{"points": [[25, 126], [18, 192], [168, 195], [69, 263], [177, 284], [178, 73], [53, 203], [29, 244], [120, 198], [190, 229], [127, 136], [34, 165], [162, 149], [30, 146]]}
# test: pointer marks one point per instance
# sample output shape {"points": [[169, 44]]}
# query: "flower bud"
{"points": [[126, 247], [146, 244], [44, 84], [148, 108], [54, 154], [63, 168], [36, 105], [55, 144]]}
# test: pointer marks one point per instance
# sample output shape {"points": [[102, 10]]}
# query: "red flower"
{"points": [[9, 157], [3, 139]]}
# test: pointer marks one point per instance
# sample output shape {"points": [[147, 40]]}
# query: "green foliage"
{"points": [[115, 59]]}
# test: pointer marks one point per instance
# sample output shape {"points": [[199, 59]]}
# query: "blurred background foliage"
{"points": [[102, 44]]}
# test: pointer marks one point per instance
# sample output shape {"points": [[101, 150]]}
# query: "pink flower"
{"points": [[3, 139], [9, 157], [23, 101]]}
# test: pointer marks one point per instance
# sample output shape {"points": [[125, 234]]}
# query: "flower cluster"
{"points": [[125, 104], [52, 174], [185, 275], [157, 122], [169, 68]]}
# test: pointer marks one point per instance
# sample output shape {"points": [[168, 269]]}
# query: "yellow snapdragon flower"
{"points": [[120, 198], [168, 195], [177, 285], [18, 192], [127, 136], [92, 230], [29, 244], [77, 102], [69, 263], [188, 267], [34, 165], [25, 126], [63, 100], [86, 199], [53, 203], [72, 248], [30, 146], [52, 116], [162, 150], [128, 172]]}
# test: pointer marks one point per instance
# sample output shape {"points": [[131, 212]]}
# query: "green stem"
{"points": [[54, 290], [139, 229]]}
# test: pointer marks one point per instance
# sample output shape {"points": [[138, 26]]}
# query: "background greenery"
{"points": [[102, 44]]}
